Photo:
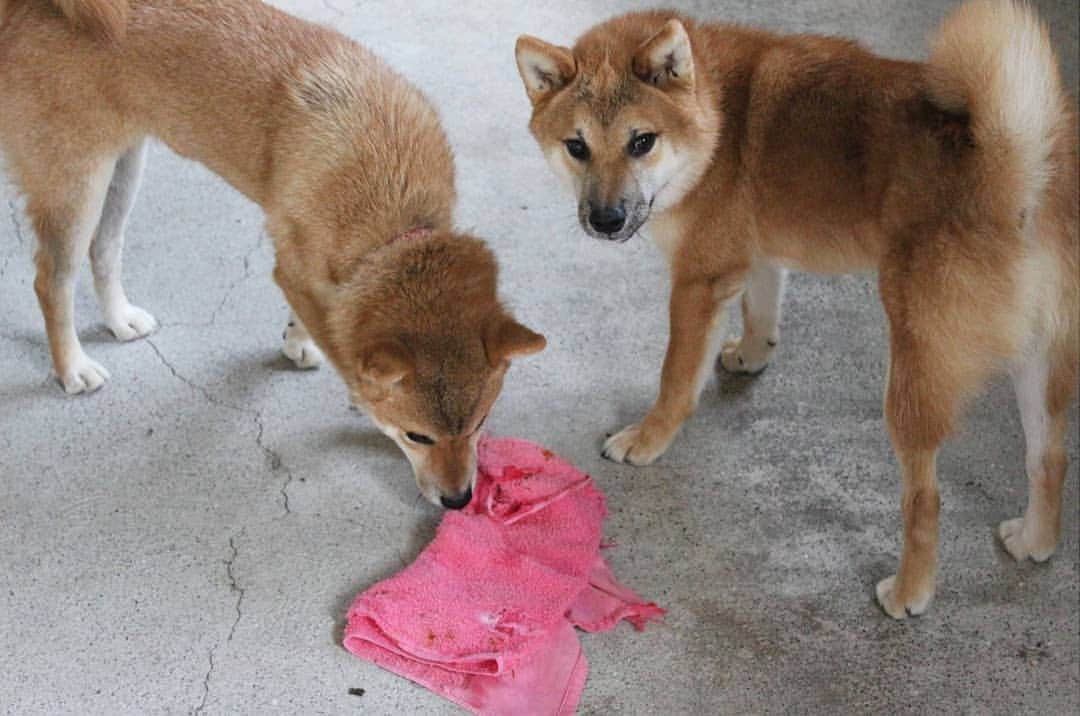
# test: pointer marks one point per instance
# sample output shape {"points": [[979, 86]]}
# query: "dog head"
{"points": [[623, 117], [424, 344]]}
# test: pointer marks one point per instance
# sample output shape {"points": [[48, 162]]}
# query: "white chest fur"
{"points": [[666, 232]]}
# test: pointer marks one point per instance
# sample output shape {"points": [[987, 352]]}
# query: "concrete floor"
{"points": [[189, 538]]}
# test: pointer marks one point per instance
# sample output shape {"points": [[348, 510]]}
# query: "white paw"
{"points": [[738, 358], [898, 608], [301, 351], [637, 444], [130, 322], [1021, 544], [83, 375]]}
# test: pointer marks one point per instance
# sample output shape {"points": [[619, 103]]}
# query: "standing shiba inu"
{"points": [[347, 159], [752, 153]]}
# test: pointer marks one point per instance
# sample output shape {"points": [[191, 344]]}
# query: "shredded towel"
{"points": [[485, 616]]}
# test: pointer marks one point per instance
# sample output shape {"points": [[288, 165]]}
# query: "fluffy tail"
{"points": [[992, 60], [102, 18]]}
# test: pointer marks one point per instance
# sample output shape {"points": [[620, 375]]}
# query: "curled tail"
{"points": [[106, 19], [992, 60]]}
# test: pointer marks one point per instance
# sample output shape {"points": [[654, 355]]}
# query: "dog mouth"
{"points": [[620, 237], [447, 500]]}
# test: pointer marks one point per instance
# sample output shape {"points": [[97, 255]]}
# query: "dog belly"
{"points": [[821, 250]]}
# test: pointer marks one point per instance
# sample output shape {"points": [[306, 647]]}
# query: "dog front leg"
{"points": [[698, 307], [297, 343], [761, 321]]}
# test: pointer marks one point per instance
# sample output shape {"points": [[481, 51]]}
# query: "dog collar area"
{"points": [[417, 232]]}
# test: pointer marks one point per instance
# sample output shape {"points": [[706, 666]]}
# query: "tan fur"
{"points": [[342, 154], [956, 179], [105, 18]]}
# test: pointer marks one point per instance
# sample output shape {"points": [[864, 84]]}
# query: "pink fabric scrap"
{"points": [[485, 616]]}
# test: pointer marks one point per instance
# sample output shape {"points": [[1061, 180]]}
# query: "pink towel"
{"points": [[485, 616]]}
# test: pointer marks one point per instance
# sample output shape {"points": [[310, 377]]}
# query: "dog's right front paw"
{"points": [[742, 356], [83, 375]]}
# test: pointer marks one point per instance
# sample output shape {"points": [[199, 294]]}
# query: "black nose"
{"points": [[457, 501], [608, 219]]}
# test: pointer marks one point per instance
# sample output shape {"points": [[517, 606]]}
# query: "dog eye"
{"points": [[419, 439], [577, 149], [642, 144]]}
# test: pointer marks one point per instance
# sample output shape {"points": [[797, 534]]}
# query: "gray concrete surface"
{"points": [[188, 539]]}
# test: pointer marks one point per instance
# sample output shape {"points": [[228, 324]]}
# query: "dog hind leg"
{"points": [[127, 322], [909, 591], [1041, 385], [64, 218], [939, 356]]}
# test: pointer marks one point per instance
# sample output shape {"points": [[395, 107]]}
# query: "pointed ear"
{"points": [[545, 68], [666, 59], [508, 339], [384, 362]]}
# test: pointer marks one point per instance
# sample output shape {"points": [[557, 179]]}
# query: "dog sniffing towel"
{"points": [[485, 616]]}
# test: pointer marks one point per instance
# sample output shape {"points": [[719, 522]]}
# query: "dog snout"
{"points": [[607, 219], [458, 501]]}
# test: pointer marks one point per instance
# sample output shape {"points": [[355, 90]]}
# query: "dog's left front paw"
{"points": [[740, 355], [901, 606], [300, 349], [128, 322], [1022, 541], [304, 354], [638, 444]]}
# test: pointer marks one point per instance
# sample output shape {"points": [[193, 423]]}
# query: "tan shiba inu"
{"points": [[347, 159], [751, 153]]}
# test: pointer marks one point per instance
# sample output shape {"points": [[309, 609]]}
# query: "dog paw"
{"points": [[130, 322], [301, 351], [900, 606], [1021, 542], [637, 444], [83, 375], [740, 356]]}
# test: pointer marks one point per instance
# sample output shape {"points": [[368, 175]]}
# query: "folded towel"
{"points": [[485, 616]]}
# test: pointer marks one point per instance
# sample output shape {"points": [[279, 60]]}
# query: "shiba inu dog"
{"points": [[347, 159], [749, 153]]}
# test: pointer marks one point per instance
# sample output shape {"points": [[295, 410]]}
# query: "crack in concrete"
{"points": [[206, 684], [203, 324], [233, 584], [235, 588], [210, 398], [333, 8], [244, 277], [273, 457], [276, 463]]}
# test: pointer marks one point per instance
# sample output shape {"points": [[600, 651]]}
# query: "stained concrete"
{"points": [[188, 539]]}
